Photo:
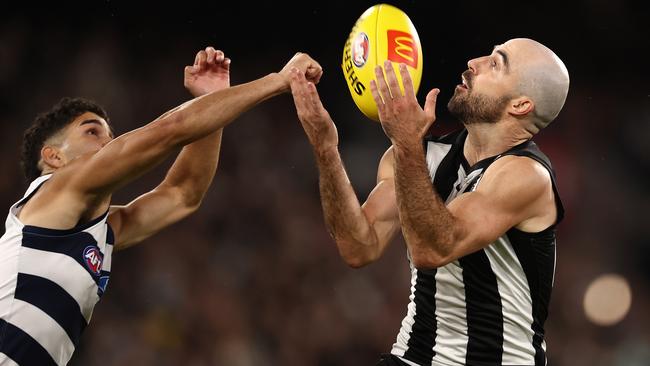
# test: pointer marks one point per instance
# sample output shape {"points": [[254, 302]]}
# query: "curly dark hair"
{"points": [[48, 124]]}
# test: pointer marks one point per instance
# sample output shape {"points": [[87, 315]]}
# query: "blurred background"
{"points": [[253, 278]]}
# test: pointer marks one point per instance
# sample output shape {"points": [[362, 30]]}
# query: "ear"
{"points": [[52, 157], [521, 106]]}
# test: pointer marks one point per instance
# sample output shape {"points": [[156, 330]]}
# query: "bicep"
{"points": [[381, 212], [380, 208], [146, 215], [480, 220]]}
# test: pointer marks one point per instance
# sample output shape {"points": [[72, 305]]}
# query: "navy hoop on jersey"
{"points": [[50, 281], [489, 307]]}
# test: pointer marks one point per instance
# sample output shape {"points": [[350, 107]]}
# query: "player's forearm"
{"points": [[206, 114], [132, 154], [355, 238], [427, 225], [194, 168]]}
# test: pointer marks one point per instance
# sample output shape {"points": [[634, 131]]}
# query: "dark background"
{"points": [[253, 277]]}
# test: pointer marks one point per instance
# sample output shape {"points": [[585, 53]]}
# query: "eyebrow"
{"points": [[98, 122], [505, 57]]}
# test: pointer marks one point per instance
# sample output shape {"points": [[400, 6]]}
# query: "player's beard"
{"points": [[470, 107]]}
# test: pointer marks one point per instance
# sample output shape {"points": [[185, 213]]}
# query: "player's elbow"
{"points": [[435, 250], [190, 202], [186, 201], [356, 258], [356, 262], [427, 258], [421, 262]]}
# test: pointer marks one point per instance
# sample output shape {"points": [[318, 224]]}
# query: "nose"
{"points": [[471, 65], [475, 64]]}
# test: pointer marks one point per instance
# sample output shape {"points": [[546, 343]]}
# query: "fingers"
{"points": [[314, 73], [210, 57], [211, 53], [430, 104], [314, 98], [384, 92], [226, 63], [305, 95], [409, 91], [311, 69], [298, 91], [201, 60], [393, 85], [314, 70], [381, 107]]}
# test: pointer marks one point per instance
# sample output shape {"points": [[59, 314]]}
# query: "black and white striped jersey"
{"points": [[488, 307], [50, 281]]}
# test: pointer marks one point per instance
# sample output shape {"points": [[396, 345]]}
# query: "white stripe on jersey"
{"points": [[435, 153], [517, 308], [9, 250], [451, 316], [407, 361], [400, 346], [6, 361], [107, 249], [65, 272], [45, 330], [454, 191]]}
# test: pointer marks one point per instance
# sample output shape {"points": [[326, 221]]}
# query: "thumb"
{"points": [[430, 104]]}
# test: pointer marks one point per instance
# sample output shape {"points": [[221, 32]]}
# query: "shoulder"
{"points": [[517, 177], [64, 178], [58, 193]]}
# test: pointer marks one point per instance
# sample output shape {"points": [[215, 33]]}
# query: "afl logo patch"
{"points": [[360, 49], [93, 259]]}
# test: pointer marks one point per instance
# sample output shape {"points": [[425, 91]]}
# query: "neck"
{"points": [[489, 139], [47, 171]]}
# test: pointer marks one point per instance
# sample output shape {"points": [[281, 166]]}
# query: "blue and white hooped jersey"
{"points": [[50, 281]]}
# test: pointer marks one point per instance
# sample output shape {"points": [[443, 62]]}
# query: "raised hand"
{"points": [[210, 72], [402, 118], [315, 119], [306, 65]]}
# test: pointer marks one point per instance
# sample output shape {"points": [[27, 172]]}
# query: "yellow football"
{"points": [[383, 32]]}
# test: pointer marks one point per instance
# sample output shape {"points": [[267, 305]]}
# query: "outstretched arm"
{"points": [[361, 232], [187, 181], [94, 177]]}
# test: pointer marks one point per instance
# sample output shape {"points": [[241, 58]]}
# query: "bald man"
{"points": [[477, 208]]}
